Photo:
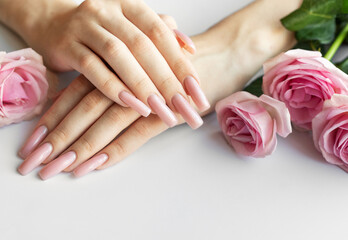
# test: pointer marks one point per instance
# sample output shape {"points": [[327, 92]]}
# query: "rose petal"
{"points": [[280, 113]]}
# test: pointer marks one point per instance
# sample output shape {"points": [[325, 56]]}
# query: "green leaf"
{"points": [[309, 45], [312, 12], [255, 87], [344, 6], [322, 32], [343, 65]]}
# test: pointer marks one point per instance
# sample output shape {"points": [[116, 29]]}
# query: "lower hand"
{"points": [[107, 132], [75, 139]]}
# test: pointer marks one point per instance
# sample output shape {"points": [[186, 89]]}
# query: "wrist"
{"points": [[257, 29], [239, 45], [30, 19]]}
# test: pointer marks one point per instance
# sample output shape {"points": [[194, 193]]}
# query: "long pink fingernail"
{"points": [[35, 158], [187, 111], [196, 93], [134, 103], [33, 141], [57, 165], [185, 41], [90, 165], [162, 110]]}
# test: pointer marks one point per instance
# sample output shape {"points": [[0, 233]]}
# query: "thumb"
{"points": [[169, 21], [184, 41]]}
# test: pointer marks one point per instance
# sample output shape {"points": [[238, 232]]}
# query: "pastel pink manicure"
{"points": [[162, 110], [187, 111], [35, 158], [196, 93], [90, 165], [33, 141], [57, 165], [185, 41], [134, 103]]}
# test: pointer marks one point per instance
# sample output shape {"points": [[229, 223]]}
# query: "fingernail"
{"points": [[162, 110], [35, 158], [33, 141], [134, 103], [185, 41], [187, 111], [90, 165], [196, 93], [57, 165]]}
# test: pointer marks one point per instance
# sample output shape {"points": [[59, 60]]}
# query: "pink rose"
{"points": [[330, 131], [303, 80], [250, 124], [23, 86]]}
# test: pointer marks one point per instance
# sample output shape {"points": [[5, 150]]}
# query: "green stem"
{"points": [[337, 43]]}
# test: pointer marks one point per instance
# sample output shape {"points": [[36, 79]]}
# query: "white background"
{"points": [[183, 184]]}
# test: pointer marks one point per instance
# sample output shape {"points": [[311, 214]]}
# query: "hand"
{"points": [[77, 139], [62, 130], [127, 52], [106, 134]]}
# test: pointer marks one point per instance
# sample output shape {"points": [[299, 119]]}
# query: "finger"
{"points": [[101, 133], [183, 40], [169, 21], [68, 130], [151, 24], [103, 78], [61, 107], [134, 137], [118, 56], [155, 66]]}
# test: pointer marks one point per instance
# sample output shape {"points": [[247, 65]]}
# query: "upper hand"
{"points": [[127, 52]]}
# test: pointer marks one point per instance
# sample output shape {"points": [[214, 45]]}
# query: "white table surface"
{"points": [[183, 184]]}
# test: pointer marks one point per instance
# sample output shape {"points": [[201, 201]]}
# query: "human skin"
{"points": [[241, 43], [122, 47]]}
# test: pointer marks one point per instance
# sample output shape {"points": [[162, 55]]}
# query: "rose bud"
{"points": [[23, 86], [250, 124], [303, 80]]}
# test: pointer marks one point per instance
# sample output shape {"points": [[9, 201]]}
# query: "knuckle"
{"points": [[86, 144], [119, 149], [90, 6], [78, 84], [167, 83], [180, 66], [112, 47], [91, 101], [108, 84], [142, 130], [116, 114], [140, 43], [158, 31], [59, 135], [50, 116], [86, 62], [140, 84]]}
